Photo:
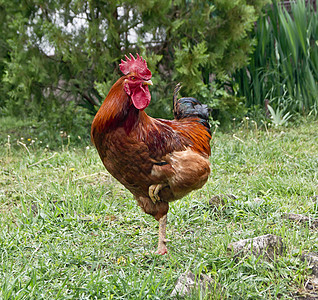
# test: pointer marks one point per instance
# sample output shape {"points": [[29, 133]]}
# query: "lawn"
{"points": [[71, 231]]}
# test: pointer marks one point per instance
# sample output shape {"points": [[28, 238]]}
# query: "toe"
{"points": [[162, 250], [151, 192]]}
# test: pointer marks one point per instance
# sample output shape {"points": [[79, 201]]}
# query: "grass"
{"points": [[71, 231]]}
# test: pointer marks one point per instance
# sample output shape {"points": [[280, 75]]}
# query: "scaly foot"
{"points": [[162, 248], [154, 190]]}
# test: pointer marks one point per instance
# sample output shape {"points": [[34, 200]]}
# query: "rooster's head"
{"points": [[137, 81]]}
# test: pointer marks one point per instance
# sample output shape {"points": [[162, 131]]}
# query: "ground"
{"points": [[71, 231]]}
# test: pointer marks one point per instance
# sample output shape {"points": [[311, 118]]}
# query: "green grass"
{"points": [[71, 231]]}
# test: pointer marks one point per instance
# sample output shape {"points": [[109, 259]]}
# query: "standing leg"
{"points": [[159, 211], [162, 248]]}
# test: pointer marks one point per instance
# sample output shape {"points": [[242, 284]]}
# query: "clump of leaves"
{"points": [[279, 117]]}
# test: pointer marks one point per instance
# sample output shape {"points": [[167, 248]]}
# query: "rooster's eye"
{"points": [[133, 78]]}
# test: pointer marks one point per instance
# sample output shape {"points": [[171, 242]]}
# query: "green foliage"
{"points": [[188, 63], [284, 66], [54, 54], [225, 102], [214, 41], [278, 117]]}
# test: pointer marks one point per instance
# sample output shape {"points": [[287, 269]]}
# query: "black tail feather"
{"points": [[189, 107]]}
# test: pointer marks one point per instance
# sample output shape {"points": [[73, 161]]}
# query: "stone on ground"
{"points": [[301, 219], [187, 283], [267, 245]]}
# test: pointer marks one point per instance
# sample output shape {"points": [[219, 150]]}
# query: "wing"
{"points": [[180, 149], [188, 132]]}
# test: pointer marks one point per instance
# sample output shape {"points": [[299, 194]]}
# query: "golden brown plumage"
{"points": [[157, 160]]}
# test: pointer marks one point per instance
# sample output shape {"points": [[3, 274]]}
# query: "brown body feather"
{"points": [[140, 151]]}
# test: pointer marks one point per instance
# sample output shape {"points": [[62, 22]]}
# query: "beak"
{"points": [[147, 82]]}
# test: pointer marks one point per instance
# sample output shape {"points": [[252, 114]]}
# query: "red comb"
{"points": [[137, 65]]}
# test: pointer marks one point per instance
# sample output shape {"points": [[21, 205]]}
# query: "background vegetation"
{"points": [[284, 66], [58, 59]]}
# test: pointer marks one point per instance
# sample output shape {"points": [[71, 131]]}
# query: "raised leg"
{"points": [[162, 248], [154, 191]]}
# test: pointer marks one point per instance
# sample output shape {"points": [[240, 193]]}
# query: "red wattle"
{"points": [[141, 97]]}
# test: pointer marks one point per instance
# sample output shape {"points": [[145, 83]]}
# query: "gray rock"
{"points": [[296, 217], [312, 260], [187, 283], [301, 219], [220, 200], [266, 245], [310, 290]]}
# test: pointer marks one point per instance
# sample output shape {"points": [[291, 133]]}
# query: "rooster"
{"points": [[157, 160]]}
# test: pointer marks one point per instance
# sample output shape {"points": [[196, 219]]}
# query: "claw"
{"points": [[151, 193], [162, 251], [154, 190]]}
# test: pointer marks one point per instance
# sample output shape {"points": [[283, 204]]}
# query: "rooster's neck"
{"points": [[117, 111]]}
